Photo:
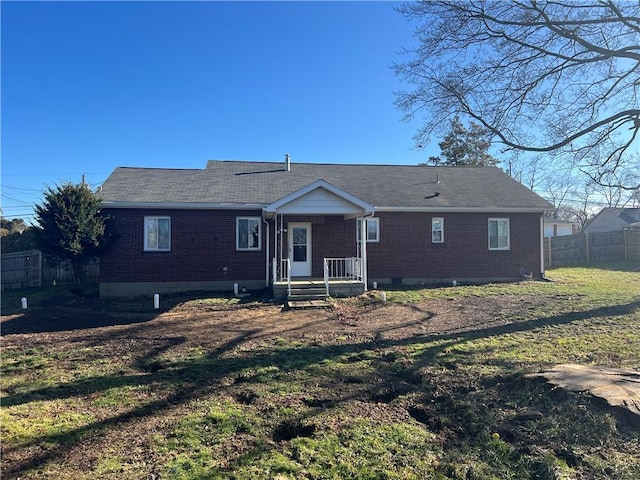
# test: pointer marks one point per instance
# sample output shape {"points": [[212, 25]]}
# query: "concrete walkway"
{"points": [[620, 388]]}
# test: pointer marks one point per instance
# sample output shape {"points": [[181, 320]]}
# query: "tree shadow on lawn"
{"points": [[54, 315], [192, 379], [63, 319]]}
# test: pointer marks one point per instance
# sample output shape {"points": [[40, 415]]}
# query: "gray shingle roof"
{"points": [[614, 218], [384, 186]]}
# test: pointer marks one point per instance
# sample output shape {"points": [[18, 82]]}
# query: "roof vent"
{"points": [[287, 162]]}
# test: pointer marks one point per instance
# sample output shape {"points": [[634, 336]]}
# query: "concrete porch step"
{"points": [[310, 295], [315, 303], [307, 296], [314, 291], [338, 288]]}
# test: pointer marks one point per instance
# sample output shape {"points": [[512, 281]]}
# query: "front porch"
{"points": [[319, 239], [310, 288], [342, 278]]}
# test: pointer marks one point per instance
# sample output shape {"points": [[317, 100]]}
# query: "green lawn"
{"points": [[368, 394]]}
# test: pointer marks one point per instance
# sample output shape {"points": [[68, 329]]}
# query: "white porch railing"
{"points": [[349, 268], [325, 269], [287, 266], [283, 273], [274, 270]]}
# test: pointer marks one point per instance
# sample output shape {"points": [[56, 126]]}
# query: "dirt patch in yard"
{"points": [[229, 348], [228, 325]]}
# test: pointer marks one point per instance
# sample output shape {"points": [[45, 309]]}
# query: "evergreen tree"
{"points": [[71, 226], [464, 147]]}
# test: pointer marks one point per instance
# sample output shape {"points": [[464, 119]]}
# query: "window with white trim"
{"points": [[157, 234], [499, 234], [248, 233], [372, 229], [437, 230]]}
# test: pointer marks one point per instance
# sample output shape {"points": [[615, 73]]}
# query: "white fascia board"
{"points": [[273, 207], [558, 222], [464, 209], [185, 205]]}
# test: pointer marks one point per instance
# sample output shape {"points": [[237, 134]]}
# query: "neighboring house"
{"points": [[261, 224], [611, 219], [556, 227]]}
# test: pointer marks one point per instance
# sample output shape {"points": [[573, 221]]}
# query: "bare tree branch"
{"points": [[547, 77]]}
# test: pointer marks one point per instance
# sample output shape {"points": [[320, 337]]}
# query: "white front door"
{"points": [[300, 249]]}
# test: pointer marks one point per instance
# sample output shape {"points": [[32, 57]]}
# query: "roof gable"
{"points": [[613, 218], [320, 197]]}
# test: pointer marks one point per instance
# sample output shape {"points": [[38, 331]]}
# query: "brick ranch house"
{"points": [[267, 224]]}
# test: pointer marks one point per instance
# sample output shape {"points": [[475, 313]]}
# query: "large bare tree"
{"points": [[549, 77]]}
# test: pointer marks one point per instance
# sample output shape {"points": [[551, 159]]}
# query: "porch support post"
{"points": [[279, 247], [268, 262], [363, 252]]}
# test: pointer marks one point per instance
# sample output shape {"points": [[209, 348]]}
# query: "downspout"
{"points": [[280, 233], [267, 259]]}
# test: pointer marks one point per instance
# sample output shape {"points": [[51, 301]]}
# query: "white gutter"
{"points": [[185, 205], [261, 206], [464, 209]]}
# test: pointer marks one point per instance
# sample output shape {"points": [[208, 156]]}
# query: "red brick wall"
{"points": [[203, 242], [405, 248]]}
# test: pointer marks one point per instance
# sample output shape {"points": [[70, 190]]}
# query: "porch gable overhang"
{"points": [[320, 198]]}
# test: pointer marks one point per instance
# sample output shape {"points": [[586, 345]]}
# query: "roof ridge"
{"points": [[161, 168], [272, 162]]}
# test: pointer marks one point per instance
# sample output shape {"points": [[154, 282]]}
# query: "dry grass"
{"points": [[414, 388]]}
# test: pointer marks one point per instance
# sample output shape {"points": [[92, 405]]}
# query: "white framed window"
{"points": [[157, 234], [437, 230], [248, 233], [372, 229], [499, 234]]}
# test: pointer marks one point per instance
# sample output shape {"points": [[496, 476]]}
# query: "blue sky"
{"points": [[89, 86]]}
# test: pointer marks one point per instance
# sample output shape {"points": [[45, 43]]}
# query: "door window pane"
{"points": [[299, 253], [299, 236], [299, 244]]}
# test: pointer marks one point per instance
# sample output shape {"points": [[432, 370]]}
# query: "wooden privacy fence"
{"points": [[592, 248], [33, 269], [21, 269]]}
